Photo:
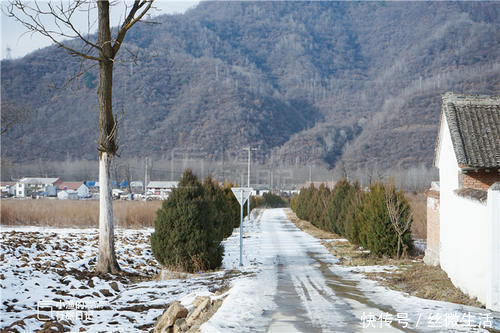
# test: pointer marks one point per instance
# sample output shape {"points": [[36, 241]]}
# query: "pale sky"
{"points": [[13, 33]]}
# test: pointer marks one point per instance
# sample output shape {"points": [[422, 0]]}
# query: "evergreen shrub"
{"points": [[361, 217], [188, 231]]}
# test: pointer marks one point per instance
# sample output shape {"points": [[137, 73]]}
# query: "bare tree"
{"points": [[127, 173], [399, 214], [34, 16]]}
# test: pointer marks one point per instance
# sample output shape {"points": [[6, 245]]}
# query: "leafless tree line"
{"points": [[233, 169]]}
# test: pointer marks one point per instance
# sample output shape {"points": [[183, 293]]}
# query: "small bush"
{"points": [[187, 234], [269, 200], [337, 205], [294, 202], [377, 232], [352, 221], [303, 210], [320, 207]]}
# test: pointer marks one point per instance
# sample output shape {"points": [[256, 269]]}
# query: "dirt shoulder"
{"points": [[411, 275]]}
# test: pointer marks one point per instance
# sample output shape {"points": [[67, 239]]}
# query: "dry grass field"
{"points": [[76, 213], [418, 203]]}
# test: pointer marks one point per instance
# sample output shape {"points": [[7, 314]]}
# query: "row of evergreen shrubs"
{"points": [[378, 219], [268, 200], [192, 223]]}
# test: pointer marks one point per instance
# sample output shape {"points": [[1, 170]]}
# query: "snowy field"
{"points": [[46, 277]]}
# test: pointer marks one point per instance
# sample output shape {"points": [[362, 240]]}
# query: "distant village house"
{"points": [[73, 191], [8, 189], [28, 186], [161, 189]]}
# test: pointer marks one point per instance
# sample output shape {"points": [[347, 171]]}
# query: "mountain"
{"points": [[307, 82]]}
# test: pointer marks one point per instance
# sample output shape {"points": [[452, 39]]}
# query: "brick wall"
{"points": [[433, 242], [481, 179]]}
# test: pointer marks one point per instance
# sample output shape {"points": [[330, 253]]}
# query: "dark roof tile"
{"points": [[474, 123]]}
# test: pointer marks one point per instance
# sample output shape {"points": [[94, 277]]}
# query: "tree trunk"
{"points": [[399, 246], [106, 261], [107, 143]]}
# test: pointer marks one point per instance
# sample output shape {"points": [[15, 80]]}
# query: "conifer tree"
{"points": [[186, 235]]}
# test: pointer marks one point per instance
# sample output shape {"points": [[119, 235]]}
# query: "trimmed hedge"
{"points": [[361, 217]]}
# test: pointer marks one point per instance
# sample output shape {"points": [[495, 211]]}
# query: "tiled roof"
{"points": [[70, 185], [162, 184], [36, 181], [474, 123]]}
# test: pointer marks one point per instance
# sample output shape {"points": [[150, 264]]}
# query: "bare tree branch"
{"points": [[399, 215], [66, 20], [131, 20], [31, 18]]}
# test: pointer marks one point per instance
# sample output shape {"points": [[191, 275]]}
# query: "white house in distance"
{"points": [[161, 189], [137, 186], [463, 211], [8, 188], [27, 186], [73, 190]]}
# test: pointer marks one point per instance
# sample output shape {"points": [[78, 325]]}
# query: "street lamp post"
{"points": [[248, 183]]}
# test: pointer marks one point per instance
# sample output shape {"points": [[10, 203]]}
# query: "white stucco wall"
{"points": [[447, 161], [469, 231], [493, 299], [433, 241], [20, 190], [464, 246], [448, 179]]}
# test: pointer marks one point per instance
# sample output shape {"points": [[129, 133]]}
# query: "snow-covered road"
{"points": [[296, 286]]}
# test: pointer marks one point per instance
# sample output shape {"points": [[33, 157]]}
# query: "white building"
{"points": [[67, 195], [137, 186], [161, 189], [463, 224], [31, 186], [83, 192], [8, 189]]}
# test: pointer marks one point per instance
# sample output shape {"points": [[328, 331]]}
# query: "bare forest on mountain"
{"points": [[351, 84]]}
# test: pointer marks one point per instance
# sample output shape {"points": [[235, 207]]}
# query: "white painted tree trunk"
{"points": [[106, 259]]}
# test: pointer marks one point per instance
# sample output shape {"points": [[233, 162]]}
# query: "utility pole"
{"points": [[248, 184], [223, 148], [9, 55], [272, 175], [310, 174], [146, 165], [172, 176]]}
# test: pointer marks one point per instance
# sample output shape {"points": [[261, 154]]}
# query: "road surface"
{"points": [[295, 286]]}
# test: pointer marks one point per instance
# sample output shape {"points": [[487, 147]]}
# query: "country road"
{"points": [[294, 285], [306, 299]]}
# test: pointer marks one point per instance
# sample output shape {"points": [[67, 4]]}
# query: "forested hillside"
{"points": [[305, 81]]}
